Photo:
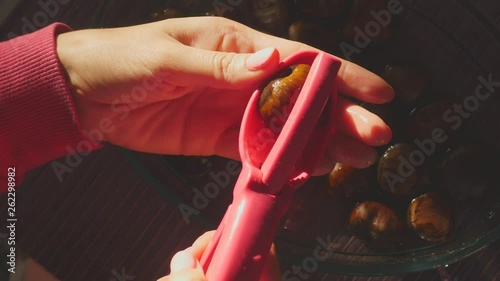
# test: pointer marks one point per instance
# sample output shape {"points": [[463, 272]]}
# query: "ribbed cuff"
{"points": [[38, 119]]}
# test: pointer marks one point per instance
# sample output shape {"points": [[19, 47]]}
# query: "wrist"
{"points": [[65, 52], [70, 54]]}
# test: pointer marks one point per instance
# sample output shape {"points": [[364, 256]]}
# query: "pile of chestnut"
{"points": [[430, 168], [410, 195]]}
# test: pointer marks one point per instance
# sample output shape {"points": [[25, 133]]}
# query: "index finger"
{"points": [[354, 80], [212, 33]]}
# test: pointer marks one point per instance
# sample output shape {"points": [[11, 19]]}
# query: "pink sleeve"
{"points": [[38, 120]]}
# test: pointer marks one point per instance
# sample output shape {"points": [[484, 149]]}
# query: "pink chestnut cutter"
{"points": [[272, 171]]}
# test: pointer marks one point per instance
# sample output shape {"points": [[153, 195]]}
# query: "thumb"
{"points": [[185, 267], [223, 70]]}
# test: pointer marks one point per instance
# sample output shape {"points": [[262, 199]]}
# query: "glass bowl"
{"points": [[455, 43], [315, 223]]}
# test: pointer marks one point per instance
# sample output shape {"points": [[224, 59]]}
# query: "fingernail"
{"points": [[183, 260], [258, 60], [384, 136]]}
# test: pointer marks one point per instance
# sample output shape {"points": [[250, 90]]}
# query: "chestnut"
{"points": [[402, 171], [408, 80], [279, 95], [349, 181], [377, 222], [430, 216], [466, 171]]}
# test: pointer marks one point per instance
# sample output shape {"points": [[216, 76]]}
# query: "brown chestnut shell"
{"points": [[349, 181], [402, 171], [430, 215], [377, 223], [279, 96]]}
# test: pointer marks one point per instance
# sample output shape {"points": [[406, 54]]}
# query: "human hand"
{"points": [[185, 265], [180, 86]]}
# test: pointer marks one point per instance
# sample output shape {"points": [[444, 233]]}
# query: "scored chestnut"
{"points": [[377, 222], [279, 95], [430, 216], [402, 171], [349, 181]]}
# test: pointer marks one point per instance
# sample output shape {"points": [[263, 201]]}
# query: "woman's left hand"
{"points": [[185, 265], [180, 86]]}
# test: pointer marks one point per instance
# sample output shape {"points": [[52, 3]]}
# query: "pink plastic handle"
{"points": [[283, 162], [240, 247], [262, 196]]}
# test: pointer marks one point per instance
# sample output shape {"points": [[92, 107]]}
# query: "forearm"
{"points": [[38, 120]]}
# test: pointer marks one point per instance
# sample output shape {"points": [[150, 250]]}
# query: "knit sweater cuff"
{"points": [[38, 119]]}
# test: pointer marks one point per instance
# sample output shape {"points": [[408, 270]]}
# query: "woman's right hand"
{"points": [[185, 265]]}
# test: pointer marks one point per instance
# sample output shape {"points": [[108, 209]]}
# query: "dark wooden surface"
{"points": [[104, 218]]}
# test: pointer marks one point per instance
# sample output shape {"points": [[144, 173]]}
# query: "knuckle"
{"points": [[223, 66]]}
